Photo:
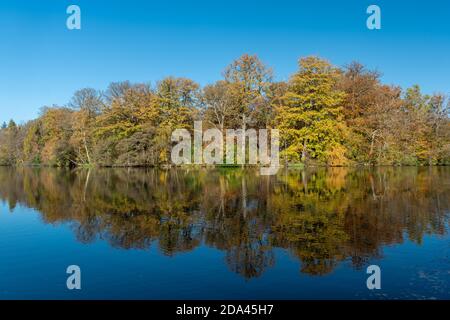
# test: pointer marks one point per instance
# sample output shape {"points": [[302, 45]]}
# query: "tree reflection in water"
{"points": [[321, 216]]}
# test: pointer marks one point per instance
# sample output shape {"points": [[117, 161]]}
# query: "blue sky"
{"points": [[43, 63]]}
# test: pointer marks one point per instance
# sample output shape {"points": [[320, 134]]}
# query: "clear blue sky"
{"points": [[43, 63]]}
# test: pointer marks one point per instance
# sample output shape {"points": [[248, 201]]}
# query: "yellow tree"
{"points": [[311, 118]]}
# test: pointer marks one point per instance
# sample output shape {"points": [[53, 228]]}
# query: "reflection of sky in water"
{"points": [[35, 253]]}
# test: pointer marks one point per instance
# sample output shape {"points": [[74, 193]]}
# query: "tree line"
{"points": [[326, 115]]}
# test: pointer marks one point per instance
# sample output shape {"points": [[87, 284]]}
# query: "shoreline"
{"points": [[166, 167]]}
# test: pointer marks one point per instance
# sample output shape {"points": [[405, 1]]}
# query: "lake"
{"points": [[225, 233]]}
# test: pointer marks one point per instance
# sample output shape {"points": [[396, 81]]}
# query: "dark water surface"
{"points": [[213, 234]]}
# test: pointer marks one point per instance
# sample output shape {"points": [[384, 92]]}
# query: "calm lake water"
{"points": [[225, 234]]}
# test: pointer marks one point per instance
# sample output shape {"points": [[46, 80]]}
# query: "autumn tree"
{"points": [[120, 121], [8, 143], [56, 131], [220, 107], [249, 79], [32, 142], [136, 128], [88, 103], [177, 100], [116, 90], [311, 119]]}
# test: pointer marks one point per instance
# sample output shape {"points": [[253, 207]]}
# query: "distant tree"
{"points": [[12, 125]]}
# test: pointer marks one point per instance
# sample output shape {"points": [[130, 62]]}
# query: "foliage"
{"points": [[326, 115], [311, 119]]}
